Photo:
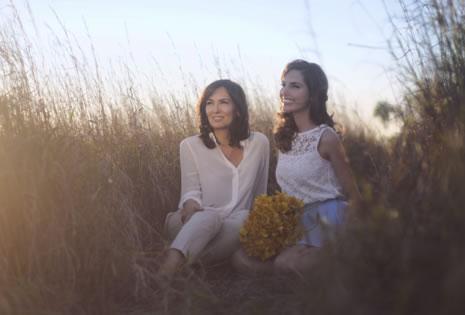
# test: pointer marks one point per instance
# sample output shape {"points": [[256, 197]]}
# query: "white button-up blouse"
{"points": [[209, 178]]}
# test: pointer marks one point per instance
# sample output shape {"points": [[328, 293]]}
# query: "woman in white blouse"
{"points": [[222, 170], [312, 166]]}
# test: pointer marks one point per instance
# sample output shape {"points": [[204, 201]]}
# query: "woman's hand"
{"points": [[189, 208]]}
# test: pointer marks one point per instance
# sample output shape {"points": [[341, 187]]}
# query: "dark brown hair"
{"points": [[317, 84], [239, 129]]}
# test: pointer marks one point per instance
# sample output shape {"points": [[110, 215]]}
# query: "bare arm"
{"points": [[331, 149], [262, 175]]}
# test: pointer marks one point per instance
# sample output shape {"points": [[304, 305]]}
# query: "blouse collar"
{"points": [[242, 142]]}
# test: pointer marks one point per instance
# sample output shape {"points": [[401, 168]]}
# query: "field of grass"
{"points": [[87, 177]]}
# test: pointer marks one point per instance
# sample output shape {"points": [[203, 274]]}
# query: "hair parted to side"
{"points": [[239, 129], [285, 128]]}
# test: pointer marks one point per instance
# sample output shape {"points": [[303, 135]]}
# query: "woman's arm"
{"points": [[262, 175], [191, 191], [331, 149]]}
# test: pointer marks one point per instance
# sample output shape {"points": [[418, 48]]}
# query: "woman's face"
{"points": [[220, 109], [294, 94]]}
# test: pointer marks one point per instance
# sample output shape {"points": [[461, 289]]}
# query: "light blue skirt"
{"points": [[320, 221]]}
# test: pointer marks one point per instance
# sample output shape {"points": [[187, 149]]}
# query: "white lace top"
{"points": [[303, 173], [209, 178]]}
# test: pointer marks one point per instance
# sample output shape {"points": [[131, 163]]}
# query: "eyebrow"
{"points": [[221, 99], [291, 82]]}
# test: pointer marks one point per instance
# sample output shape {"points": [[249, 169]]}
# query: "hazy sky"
{"points": [[247, 37]]}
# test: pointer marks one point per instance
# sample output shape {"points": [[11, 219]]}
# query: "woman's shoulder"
{"points": [[256, 136], [191, 141], [328, 133], [259, 140], [329, 142]]}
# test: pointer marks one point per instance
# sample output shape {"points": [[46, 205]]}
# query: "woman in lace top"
{"points": [[312, 166], [222, 170]]}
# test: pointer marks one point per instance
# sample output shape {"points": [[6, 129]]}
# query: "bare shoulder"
{"points": [[330, 143], [330, 136]]}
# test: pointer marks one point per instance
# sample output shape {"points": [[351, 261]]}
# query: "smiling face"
{"points": [[220, 109], [294, 93]]}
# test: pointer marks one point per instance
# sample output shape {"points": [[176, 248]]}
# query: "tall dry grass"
{"points": [[89, 169]]}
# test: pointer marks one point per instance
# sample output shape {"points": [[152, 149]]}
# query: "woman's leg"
{"points": [[320, 221], [250, 265], [226, 242], [190, 239], [296, 259]]}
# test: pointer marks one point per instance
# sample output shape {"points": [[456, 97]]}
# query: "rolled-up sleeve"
{"points": [[190, 180]]}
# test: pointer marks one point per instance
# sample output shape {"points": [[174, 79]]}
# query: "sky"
{"points": [[246, 38]]}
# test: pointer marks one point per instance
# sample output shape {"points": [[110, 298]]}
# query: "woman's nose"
{"points": [[214, 108]]}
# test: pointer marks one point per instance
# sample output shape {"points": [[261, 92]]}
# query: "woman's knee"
{"points": [[284, 263], [239, 262], [172, 224], [298, 259], [208, 219], [245, 264], [291, 260]]}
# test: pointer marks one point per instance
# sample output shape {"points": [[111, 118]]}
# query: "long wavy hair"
{"points": [[315, 79], [239, 129]]}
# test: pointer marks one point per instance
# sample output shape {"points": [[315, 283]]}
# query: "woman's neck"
{"points": [[303, 121], [222, 136]]}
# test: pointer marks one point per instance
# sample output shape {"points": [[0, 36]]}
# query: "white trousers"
{"points": [[206, 235]]}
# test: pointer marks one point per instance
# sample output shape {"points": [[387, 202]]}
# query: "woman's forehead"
{"points": [[293, 76], [220, 92]]}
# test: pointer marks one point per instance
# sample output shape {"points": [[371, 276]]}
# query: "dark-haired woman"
{"points": [[312, 166], [222, 170]]}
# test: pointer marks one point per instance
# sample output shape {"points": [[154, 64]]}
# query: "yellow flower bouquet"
{"points": [[272, 225]]}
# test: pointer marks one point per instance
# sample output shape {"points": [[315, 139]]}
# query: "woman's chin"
{"points": [[287, 110], [220, 127]]}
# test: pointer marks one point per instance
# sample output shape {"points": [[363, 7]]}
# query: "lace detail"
{"points": [[303, 173], [303, 144]]}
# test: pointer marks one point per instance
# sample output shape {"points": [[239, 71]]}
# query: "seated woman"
{"points": [[312, 166], [222, 170]]}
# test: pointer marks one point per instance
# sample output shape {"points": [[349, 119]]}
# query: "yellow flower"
{"points": [[272, 225]]}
